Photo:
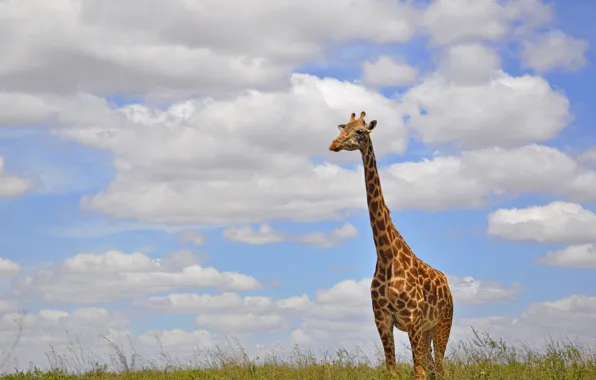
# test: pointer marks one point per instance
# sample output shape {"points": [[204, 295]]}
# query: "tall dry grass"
{"points": [[480, 358]]}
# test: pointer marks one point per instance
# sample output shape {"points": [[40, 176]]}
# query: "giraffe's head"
{"points": [[354, 135]]}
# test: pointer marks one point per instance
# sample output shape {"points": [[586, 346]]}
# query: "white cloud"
{"points": [[209, 152], [191, 303], [9, 268], [242, 324], [18, 109], [467, 180], [469, 291], [531, 168], [246, 234], [344, 310], [253, 132], [109, 262], [60, 329], [451, 21], [102, 278], [192, 236], [386, 71], [341, 316], [505, 111], [6, 306], [588, 157], [575, 256], [230, 313], [331, 239], [178, 46], [267, 235], [557, 222], [77, 340], [11, 186], [554, 49], [568, 317], [225, 303], [471, 63], [178, 339], [275, 135]]}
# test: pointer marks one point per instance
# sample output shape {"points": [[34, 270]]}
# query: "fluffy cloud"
{"points": [[331, 239], [557, 222], [115, 275], [241, 324], [17, 109], [177, 45], [451, 21], [264, 235], [568, 317], [267, 235], [243, 151], [229, 312], [339, 316], [554, 49], [11, 186], [342, 314], [386, 71], [505, 111], [575, 256], [469, 291], [589, 156], [180, 340], [471, 63], [192, 236], [79, 339], [210, 151], [60, 329], [466, 180], [342, 310], [8, 268], [227, 302]]}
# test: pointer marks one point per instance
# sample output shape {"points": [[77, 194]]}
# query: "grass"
{"points": [[480, 358]]}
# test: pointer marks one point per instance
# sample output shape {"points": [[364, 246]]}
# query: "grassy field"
{"points": [[481, 358]]}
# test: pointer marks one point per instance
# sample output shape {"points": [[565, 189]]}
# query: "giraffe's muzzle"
{"points": [[334, 147]]}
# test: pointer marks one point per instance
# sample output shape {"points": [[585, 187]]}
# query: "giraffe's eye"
{"points": [[360, 131]]}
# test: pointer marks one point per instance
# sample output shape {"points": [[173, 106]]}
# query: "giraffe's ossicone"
{"points": [[406, 292]]}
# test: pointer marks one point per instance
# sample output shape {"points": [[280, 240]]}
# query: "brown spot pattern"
{"points": [[406, 292]]}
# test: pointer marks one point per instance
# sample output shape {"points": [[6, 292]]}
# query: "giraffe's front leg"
{"points": [[440, 342], [419, 349], [384, 324]]}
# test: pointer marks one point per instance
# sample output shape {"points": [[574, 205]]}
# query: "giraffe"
{"points": [[406, 292]]}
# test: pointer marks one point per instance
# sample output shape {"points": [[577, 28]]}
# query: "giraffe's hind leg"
{"points": [[440, 339], [430, 365]]}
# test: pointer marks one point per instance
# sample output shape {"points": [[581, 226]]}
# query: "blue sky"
{"points": [[142, 179]]}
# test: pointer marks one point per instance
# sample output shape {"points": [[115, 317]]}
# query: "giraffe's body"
{"points": [[406, 292]]}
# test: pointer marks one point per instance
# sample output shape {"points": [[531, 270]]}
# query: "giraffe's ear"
{"points": [[341, 127], [371, 125]]}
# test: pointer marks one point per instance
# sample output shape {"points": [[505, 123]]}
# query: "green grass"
{"points": [[481, 358]]}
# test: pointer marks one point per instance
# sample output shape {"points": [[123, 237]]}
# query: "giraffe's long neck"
{"points": [[388, 241]]}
